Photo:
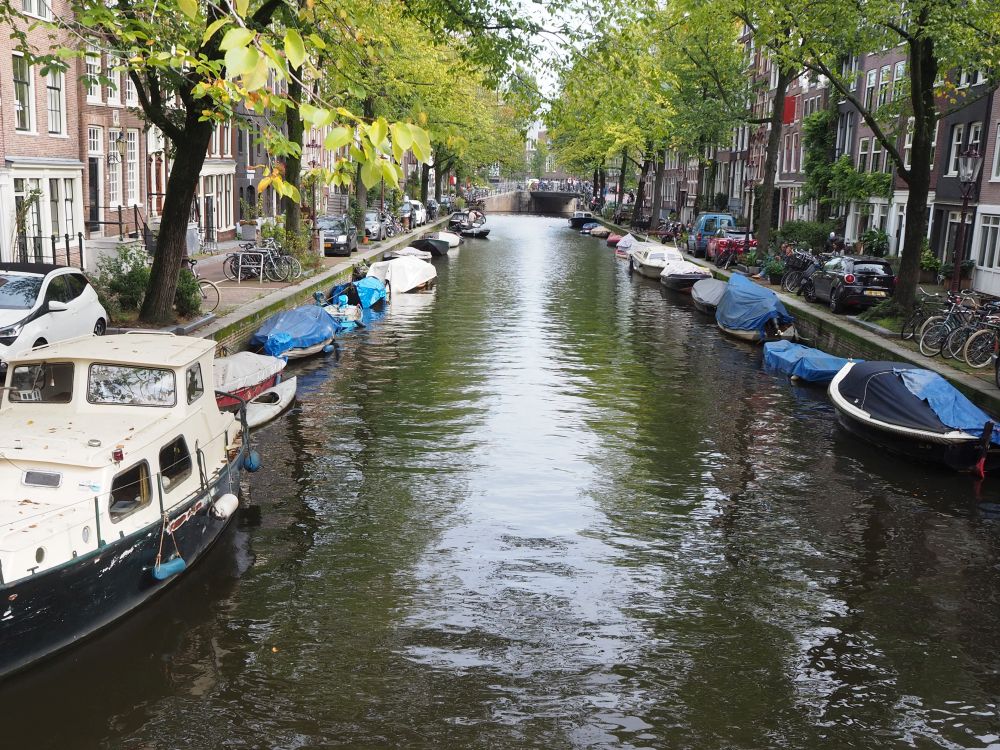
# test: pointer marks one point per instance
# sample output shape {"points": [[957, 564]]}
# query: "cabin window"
{"points": [[131, 385], [195, 383], [42, 383], [175, 463], [130, 491]]}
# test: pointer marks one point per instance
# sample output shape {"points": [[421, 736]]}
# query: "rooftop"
{"points": [[151, 349]]}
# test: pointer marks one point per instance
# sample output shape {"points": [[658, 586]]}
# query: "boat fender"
{"points": [[163, 571], [328, 348], [225, 506], [251, 462]]}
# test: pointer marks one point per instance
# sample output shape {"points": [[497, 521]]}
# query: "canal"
{"points": [[550, 506]]}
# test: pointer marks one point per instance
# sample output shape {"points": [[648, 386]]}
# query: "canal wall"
{"points": [[845, 336], [234, 329], [513, 202]]}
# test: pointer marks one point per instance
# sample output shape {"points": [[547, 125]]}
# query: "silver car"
{"points": [[374, 226]]}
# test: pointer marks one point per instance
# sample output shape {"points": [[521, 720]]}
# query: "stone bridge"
{"points": [[534, 202]]}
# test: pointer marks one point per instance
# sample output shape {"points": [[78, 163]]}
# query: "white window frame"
{"points": [[996, 156], [69, 205], [955, 148], [871, 80], [898, 74], [56, 81], [131, 95], [114, 171], [989, 227], [908, 143], [884, 86], [975, 137], [114, 87], [862, 162], [35, 8], [876, 157], [95, 140], [132, 166], [92, 65], [29, 105]]}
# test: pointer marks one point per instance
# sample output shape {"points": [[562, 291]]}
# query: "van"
{"points": [[706, 225]]}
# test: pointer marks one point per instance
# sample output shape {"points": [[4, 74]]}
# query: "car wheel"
{"points": [[835, 304], [100, 327], [808, 291]]}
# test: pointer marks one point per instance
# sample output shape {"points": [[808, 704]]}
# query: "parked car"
{"points": [[852, 281], [419, 214], [705, 225], [406, 214], [432, 209], [726, 239], [338, 235], [42, 303], [374, 225]]}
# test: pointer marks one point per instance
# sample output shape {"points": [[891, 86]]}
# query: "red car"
{"points": [[727, 239]]}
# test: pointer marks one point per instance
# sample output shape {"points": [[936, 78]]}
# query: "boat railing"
{"points": [[89, 532]]}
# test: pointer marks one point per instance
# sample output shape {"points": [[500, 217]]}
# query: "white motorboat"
{"points": [[408, 252], [579, 218], [271, 403], [126, 473], [453, 240], [404, 274], [680, 274], [647, 258]]}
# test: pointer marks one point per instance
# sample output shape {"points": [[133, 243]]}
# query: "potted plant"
{"points": [[773, 268], [948, 269], [930, 266], [248, 224], [749, 263]]}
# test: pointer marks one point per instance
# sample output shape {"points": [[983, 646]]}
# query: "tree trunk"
{"points": [[360, 199], [437, 184], [621, 178], [425, 178], [923, 72], [171, 243], [699, 182], [654, 214], [766, 204], [640, 193], [293, 163]]}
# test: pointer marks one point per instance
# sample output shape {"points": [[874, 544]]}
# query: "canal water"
{"points": [[550, 506]]}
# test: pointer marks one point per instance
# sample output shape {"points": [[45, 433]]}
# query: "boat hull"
{"points": [[61, 607], [754, 336], [437, 248], [271, 404], [577, 222], [247, 393], [705, 307], [475, 233], [682, 282], [307, 351], [643, 269]]}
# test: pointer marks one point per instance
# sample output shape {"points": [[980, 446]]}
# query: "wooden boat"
{"points": [[579, 218], [270, 404], [707, 293], [647, 259], [127, 473], [753, 313], [438, 248], [244, 375], [914, 413]]}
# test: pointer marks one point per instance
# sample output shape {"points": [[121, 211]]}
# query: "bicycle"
{"points": [[936, 331], [797, 263], [926, 307], [210, 296], [981, 347]]}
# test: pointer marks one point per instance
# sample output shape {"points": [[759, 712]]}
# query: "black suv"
{"points": [[852, 281], [337, 235]]}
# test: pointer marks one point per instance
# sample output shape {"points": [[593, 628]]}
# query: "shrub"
{"points": [[773, 266], [812, 234], [876, 242], [187, 298], [928, 260], [122, 279]]}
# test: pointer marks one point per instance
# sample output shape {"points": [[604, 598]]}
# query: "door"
{"points": [[209, 218], [94, 194], [823, 278]]}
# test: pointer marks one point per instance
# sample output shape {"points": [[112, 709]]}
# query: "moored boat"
{"points": [[297, 333], [453, 239], [242, 376], [680, 274], [579, 218], [404, 274], [270, 404], [802, 362], [750, 312], [647, 259], [407, 252], [600, 232], [614, 239], [589, 227], [127, 473], [367, 293], [914, 413], [435, 246], [707, 294]]}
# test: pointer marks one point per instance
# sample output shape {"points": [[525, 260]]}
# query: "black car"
{"points": [[852, 281], [337, 235]]}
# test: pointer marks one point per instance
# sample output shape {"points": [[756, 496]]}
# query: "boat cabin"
{"points": [[100, 436]]}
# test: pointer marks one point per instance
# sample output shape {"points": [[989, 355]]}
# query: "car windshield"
{"points": [[878, 268], [371, 216], [331, 224], [18, 292]]}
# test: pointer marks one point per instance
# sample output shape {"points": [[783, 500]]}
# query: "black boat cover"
{"points": [[908, 396]]}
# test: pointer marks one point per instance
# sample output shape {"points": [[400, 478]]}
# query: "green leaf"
{"points": [[371, 173], [312, 115], [317, 41], [401, 134], [189, 8], [295, 50], [338, 138], [256, 77], [212, 28], [242, 6], [377, 132], [421, 144], [236, 37], [240, 60], [390, 173]]}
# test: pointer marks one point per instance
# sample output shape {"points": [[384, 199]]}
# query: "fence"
{"points": [[54, 249]]}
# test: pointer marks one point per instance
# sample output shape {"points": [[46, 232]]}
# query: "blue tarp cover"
{"points": [[748, 307], [294, 329], [804, 362], [370, 291], [951, 407]]}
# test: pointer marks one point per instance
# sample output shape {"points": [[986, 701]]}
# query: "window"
{"points": [[35, 8], [93, 65], [95, 141], [957, 135], [996, 155], [69, 191], [56, 102], [884, 85], [131, 97], [77, 283], [114, 81], [876, 155], [175, 463], [42, 383], [58, 290], [989, 237], [130, 385], [937, 126], [54, 206], [787, 160], [227, 139], [195, 383], [132, 166], [898, 76], [850, 71], [22, 93], [863, 155], [908, 143], [130, 491], [870, 88], [796, 161], [114, 169], [975, 136]]}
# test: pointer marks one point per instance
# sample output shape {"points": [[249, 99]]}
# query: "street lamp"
{"points": [[969, 164], [117, 151], [746, 239]]}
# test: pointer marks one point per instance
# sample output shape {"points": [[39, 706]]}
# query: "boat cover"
{"points": [[244, 369], [708, 291], [412, 252], [590, 225], [365, 292], [600, 231], [294, 329], [811, 365], [908, 396], [403, 274], [748, 307], [626, 242], [451, 238], [676, 265]]}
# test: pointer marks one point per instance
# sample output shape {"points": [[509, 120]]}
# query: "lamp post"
{"points": [[969, 164], [746, 239]]}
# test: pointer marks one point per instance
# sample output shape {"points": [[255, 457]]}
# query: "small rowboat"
{"points": [[271, 403]]}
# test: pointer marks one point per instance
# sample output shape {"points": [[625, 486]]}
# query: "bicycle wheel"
{"points": [[913, 323], [275, 269], [296, 266], [791, 280], [230, 266], [954, 343], [978, 351], [210, 296], [932, 339]]}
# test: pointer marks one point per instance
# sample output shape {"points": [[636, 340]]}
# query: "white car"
{"points": [[419, 213], [42, 303]]}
